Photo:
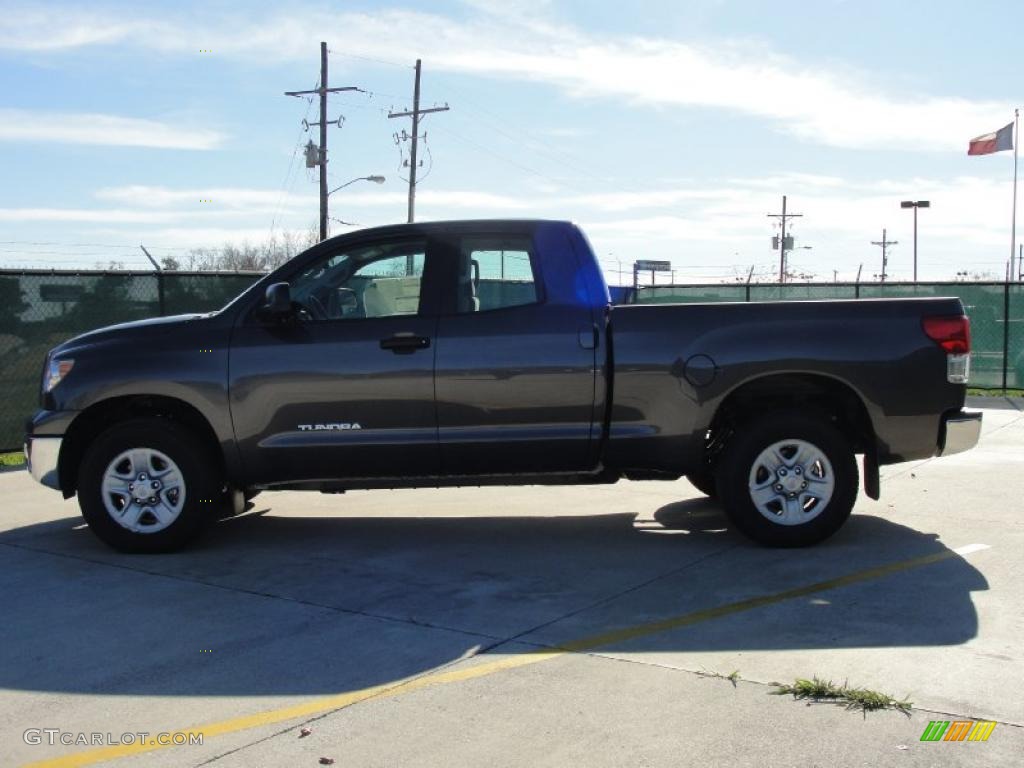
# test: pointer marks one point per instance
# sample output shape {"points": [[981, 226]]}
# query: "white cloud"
{"points": [[705, 230], [29, 29], [834, 108], [262, 200], [87, 215], [218, 197], [99, 129]]}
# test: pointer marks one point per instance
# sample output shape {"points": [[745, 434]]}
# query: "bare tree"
{"points": [[248, 257]]}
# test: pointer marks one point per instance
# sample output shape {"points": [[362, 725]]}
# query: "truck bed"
{"points": [[876, 347]]}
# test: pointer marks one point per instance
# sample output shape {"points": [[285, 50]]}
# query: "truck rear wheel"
{"points": [[148, 485], [788, 479]]}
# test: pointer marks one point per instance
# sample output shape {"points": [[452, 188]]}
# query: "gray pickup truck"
{"points": [[487, 353]]}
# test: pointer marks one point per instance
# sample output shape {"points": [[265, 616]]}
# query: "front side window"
{"points": [[495, 272], [380, 280]]}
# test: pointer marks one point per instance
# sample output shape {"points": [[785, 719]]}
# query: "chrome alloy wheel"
{"points": [[791, 482], [143, 490]]}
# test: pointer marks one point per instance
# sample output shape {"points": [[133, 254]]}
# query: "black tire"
{"points": [[705, 482], [737, 463], [195, 461]]}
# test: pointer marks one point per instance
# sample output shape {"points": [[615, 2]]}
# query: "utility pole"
{"points": [[321, 160], [323, 141], [1020, 264], [884, 243], [414, 113], [782, 240]]}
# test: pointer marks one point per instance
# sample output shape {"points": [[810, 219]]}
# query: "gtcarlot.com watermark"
{"points": [[54, 736]]}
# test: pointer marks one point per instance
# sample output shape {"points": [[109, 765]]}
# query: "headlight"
{"points": [[57, 370]]}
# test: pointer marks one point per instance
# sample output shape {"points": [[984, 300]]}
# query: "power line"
{"points": [[84, 245], [498, 123], [368, 58], [495, 153], [285, 188], [36, 256]]}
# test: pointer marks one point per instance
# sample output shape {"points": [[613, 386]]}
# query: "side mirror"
{"points": [[279, 300]]}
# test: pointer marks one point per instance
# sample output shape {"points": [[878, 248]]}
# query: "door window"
{"points": [[380, 280], [495, 272]]}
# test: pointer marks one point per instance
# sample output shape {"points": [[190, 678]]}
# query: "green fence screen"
{"points": [[40, 309]]}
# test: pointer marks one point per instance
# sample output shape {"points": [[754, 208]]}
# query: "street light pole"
{"points": [[915, 243], [915, 206], [374, 179]]}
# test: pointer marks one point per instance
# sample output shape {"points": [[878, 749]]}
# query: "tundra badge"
{"points": [[329, 427]]}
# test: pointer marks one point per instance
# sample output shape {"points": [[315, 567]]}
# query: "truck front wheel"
{"points": [[147, 485], [788, 479]]}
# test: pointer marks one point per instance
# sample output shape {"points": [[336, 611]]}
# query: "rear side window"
{"points": [[495, 272]]}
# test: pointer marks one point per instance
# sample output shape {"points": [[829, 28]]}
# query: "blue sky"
{"points": [[667, 129]]}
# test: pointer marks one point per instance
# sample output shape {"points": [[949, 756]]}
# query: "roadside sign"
{"points": [[646, 265]]}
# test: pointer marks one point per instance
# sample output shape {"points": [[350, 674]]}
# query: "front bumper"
{"points": [[960, 432], [42, 454]]}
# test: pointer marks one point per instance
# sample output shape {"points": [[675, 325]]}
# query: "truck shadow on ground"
{"points": [[274, 605]]}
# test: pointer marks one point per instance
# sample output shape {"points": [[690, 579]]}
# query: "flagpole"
{"points": [[1016, 142]]}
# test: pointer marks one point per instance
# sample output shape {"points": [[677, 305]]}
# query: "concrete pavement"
{"points": [[319, 610]]}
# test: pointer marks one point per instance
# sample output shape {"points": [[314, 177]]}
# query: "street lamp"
{"points": [[915, 206], [374, 179]]}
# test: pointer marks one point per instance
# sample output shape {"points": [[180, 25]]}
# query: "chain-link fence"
{"points": [[996, 311], [40, 309]]}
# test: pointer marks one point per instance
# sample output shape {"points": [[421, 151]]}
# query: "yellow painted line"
{"points": [[687, 619], [341, 700]]}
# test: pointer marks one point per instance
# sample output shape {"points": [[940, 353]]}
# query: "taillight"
{"points": [[952, 333]]}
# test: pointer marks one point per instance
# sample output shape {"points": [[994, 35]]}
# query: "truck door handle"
{"points": [[405, 343]]}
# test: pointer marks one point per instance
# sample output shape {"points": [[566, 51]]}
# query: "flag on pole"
{"points": [[996, 141]]}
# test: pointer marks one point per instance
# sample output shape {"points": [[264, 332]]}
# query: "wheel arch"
{"points": [[103, 414], [827, 394]]}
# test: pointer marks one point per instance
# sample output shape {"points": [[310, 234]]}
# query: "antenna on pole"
{"points": [[317, 156], [784, 243], [885, 242], [415, 113]]}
